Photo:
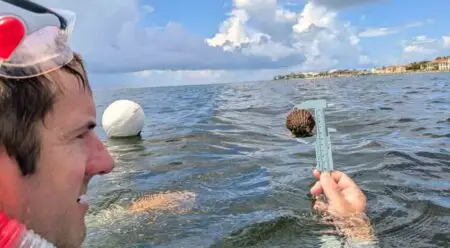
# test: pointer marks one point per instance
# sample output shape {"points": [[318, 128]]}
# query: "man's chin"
{"points": [[76, 240], [77, 236], [82, 232]]}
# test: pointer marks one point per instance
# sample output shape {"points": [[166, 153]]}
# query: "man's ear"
{"points": [[6, 160], [9, 169], [11, 185]]}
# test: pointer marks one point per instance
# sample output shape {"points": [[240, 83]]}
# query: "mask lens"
{"points": [[40, 52]]}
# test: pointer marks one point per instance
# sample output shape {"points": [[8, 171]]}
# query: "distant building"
{"points": [[430, 66], [378, 70], [443, 64], [395, 69]]}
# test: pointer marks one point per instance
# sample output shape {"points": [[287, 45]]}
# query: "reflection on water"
{"points": [[216, 167]]}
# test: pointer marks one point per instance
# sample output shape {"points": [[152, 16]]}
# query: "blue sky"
{"points": [[141, 43], [399, 14], [201, 17]]}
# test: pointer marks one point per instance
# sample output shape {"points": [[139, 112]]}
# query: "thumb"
{"points": [[330, 188]]}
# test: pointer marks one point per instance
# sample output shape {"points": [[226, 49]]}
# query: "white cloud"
{"points": [[290, 3], [419, 23], [115, 41], [418, 49], [446, 40], [315, 16], [422, 39], [354, 39], [258, 39], [170, 78], [383, 31], [423, 48], [185, 77], [148, 9], [423, 45], [364, 59], [339, 4], [259, 34], [252, 19], [265, 27], [413, 53], [375, 32]]}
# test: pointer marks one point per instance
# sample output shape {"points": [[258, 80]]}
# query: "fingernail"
{"points": [[326, 174]]}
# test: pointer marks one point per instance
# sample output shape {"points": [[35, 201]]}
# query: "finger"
{"points": [[316, 189], [316, 174], [320, 206], [330, 188], [343, 180]]}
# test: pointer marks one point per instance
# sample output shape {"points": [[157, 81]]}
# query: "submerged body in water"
{"points": [[175, 202]]}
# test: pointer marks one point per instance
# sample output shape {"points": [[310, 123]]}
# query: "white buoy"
{"points": [[123, 118]]}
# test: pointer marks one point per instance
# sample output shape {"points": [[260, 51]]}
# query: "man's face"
{"points": [[71, 154]]}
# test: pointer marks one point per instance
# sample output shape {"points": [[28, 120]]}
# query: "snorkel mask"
{"points": [[34, 40]]}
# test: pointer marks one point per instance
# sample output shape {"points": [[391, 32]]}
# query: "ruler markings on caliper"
{"points": [[324, 158]]}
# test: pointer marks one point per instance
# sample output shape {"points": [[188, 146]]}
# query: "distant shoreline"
{"points": [[437, 65], [293, 77]]}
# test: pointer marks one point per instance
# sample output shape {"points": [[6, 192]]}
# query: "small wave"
{"points": [[437, 136], [411, 161], [403, 120], [441, 156], [415, 232], [375, 123], [370, 144], [106, 216], [285, 231], [392, 127], [386, 108], [175, 139], [444, 121], [413, 92], [418, 129]]}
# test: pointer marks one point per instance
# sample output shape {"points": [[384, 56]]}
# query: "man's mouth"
{"points": [[83, 198]]}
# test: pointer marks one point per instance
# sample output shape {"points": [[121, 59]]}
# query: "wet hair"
{"points": [[24, 103]]}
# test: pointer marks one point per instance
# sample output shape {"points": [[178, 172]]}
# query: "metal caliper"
{"points": [[324, 158]]}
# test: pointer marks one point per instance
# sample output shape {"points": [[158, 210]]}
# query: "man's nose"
{"points": [[100, 161]]}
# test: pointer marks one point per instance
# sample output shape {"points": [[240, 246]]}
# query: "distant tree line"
{"points": [[415, 66]]}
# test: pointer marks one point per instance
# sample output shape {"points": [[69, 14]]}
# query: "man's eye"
{"points": [[82, 136]]}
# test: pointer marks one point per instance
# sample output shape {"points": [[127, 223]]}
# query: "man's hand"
{"points": [[346, 205], [343, 195]]}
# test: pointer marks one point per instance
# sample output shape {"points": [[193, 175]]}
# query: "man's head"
{"points": [[49, 151]]}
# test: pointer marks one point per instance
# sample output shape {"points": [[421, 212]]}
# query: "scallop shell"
{"points": [[300, 122]]}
